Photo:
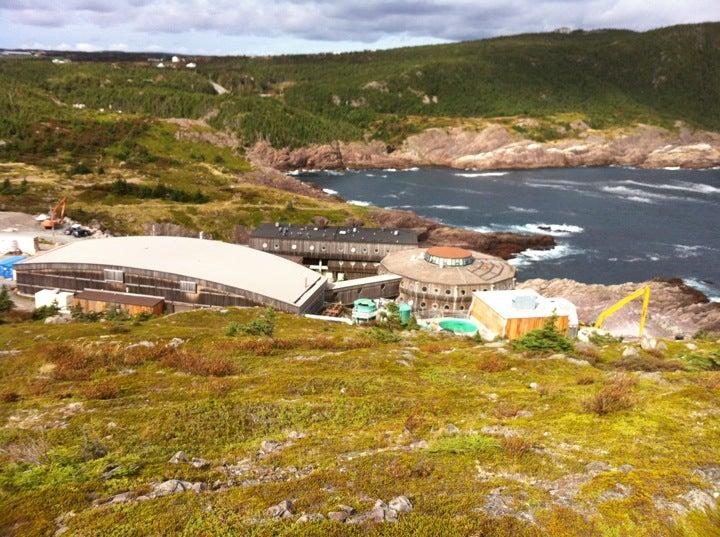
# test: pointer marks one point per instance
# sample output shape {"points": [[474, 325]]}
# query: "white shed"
{"points": [[12, 242], [48, 297]]}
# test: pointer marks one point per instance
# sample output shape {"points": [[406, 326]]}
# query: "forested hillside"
{"points": [[612, 78]]}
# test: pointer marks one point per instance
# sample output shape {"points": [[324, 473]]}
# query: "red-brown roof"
{"points": [[449, 252]]}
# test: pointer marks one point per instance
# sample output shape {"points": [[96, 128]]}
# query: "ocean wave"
{"points": [[528, 257], [370, 175], [712, 293], [683, 186], [330, 191], [449, 207], [521, 209], [684, 251], [672, 168], [413, 169], [481, 174], [642, 196], [390, 170], [334, 172], [359, 203], [556, 230]]}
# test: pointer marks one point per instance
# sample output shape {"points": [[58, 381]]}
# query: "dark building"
{"points": [[340, 252]]}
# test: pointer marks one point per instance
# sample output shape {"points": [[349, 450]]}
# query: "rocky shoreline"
{"points": [[498, 147], [675, 308]]}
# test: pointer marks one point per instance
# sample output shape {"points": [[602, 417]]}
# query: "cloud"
{"points": [[359, 21]]}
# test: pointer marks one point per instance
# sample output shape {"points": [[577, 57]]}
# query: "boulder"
{"points": [[284, 509], [630, 352], [648, 343], [199, 463], [401, 504], [310, 517], [691, 347], [179, 457], [451, 429], [175, 342], [172, 486]]}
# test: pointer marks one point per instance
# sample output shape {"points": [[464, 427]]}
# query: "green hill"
{"points": [[612, 77], [483, 441]]}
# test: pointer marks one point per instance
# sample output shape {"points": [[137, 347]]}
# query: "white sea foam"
{"points": [[330, 191], [481, 174], [521, 209], [369, 175], [390, 170], [708, 290], [359, 203], [449, 207], [413, 169], [684, 186], [528, 257], [556, 230], [684, 251], [672, 168], [642, 196]]}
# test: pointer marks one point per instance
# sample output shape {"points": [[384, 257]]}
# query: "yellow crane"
{"points": [[642, 292]]}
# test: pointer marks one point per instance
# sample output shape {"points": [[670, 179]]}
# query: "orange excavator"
{"points": [[57, 215]]}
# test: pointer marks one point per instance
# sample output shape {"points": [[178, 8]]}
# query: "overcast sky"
{"points": [[292, 26]]}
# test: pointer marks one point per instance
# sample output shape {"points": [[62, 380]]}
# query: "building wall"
{"points": [[76, 277], [347, 295], [132, 309], [429, 297], [511, 328], [327, 250]]}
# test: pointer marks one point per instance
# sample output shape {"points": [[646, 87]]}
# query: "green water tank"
{"points": [[405, 313]]}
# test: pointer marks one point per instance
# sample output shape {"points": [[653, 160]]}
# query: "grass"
{"points": [[80, 403]]}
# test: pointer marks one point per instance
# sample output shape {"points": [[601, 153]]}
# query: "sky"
{"points": [[259, 27]]}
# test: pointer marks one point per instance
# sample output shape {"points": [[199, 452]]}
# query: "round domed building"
{"points": [[442, 279]]}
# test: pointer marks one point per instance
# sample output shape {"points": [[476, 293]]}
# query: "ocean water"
{"points": [[611, 225]]}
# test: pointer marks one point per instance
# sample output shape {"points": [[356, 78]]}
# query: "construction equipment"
{"points": [[57, 215], [642, 292]]}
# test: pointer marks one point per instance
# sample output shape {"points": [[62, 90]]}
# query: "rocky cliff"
{"points": [[498, 147], [675, 308]]}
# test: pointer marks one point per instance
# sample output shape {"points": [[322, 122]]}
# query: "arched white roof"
{"points": [[214, 261]]}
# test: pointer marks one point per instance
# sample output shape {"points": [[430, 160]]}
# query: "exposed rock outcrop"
{"points": [[497, 147], [675, 308]]}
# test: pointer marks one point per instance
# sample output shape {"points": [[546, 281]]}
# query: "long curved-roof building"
{"points": [[442, 279], [184, 271]]}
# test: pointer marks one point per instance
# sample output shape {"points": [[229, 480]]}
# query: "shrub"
{"points": [[493, 364], [383, 335], [507, 410], [113, 313], [515, 446], [43, 312], [261, 325], [197, 364], [708, 362], [544, 340], [6, 301], [648, 362], [603, 339], [9, 396], [77, 314], [585, 380], [75, 363], [103, 389], [615, 396]]}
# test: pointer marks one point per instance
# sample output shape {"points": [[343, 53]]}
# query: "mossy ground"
{"points": [[361, 403]]}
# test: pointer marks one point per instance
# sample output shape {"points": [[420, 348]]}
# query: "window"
{"points": [[265, 245], [294, 247], [188, 287], [377, 250], [277, 246], [112, 275], [312, 247], [323, 248], [424, 289], [422, 304], [352, 250], [447, 307], [462, 291], [447, 291], [435, 306]]}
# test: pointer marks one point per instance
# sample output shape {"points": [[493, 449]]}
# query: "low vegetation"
{"points": [[544, 340], [478, 438]]}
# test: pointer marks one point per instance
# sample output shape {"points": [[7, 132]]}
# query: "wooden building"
{"points": [[185, 272], [513, 313], [100, 301], [339, 252]]}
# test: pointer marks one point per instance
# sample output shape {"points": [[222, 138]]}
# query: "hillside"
{"points": [[451, 435], [198, 159]]}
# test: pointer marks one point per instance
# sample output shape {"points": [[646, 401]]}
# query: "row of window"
{"points": [[118, 276], [324, 248], [446, 307]]}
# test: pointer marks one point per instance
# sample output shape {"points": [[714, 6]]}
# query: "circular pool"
{"points": [[458, 326]]}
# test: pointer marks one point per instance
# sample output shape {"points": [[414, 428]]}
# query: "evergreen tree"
{"points": [[6, 301]]}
